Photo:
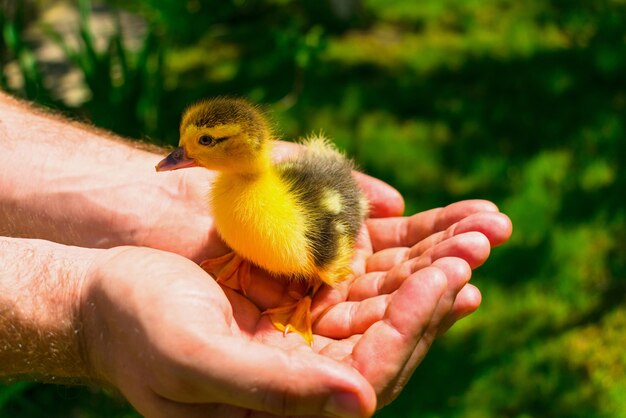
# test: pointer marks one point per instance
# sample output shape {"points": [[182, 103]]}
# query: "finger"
{"points": [[467, 302], [385, 260], [472, 247], [336, 349], [252, 375], [246, 316], [457, 273], [384, 200], [387, 345], [495, 226], [350, 318], [407, 231]]}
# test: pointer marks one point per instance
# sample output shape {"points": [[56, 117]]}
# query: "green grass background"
{"points": [[522, 103]]}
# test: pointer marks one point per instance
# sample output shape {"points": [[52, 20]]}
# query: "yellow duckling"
{"points": [[298, 218]]}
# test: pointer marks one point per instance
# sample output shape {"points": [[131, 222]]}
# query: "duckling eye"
{"points": [[206, 140]]}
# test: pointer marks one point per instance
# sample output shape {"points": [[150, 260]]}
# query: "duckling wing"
{"points": [[321, 180]]}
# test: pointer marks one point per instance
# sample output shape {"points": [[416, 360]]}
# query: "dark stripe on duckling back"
{"points": [[323, 183]]}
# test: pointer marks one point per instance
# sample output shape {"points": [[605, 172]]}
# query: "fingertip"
{"points": [[474, 247], [456, 269], [457, 211], [469, 299], [480, 245], [467, 302], [503, 229], [496, 226], [500, 224]]}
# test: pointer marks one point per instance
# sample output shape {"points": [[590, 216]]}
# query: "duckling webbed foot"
{"points": [[229, 270], [293, 317], [296, 316]]}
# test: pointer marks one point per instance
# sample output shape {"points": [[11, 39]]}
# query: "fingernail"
{"points": [[343, 405]]}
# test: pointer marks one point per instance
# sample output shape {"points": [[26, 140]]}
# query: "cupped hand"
{"points": [[176, 344], [394, 254]]}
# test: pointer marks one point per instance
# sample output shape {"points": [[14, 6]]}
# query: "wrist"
{"points": [[40, 325], [93, 304]]}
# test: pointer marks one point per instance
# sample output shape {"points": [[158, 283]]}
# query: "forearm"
{"points": [[40, 330], [70, 183]]}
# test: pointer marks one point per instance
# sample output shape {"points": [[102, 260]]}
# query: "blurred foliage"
{"points": [[12, 18], [522, 103], [125, 93]]}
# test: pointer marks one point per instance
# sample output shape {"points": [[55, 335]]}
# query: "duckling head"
{"points": [[221, 134]]}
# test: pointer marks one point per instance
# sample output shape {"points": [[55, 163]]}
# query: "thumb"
{"points": [[251, 375]]}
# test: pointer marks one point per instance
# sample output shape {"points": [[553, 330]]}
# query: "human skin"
{"points": [[155, 326]]}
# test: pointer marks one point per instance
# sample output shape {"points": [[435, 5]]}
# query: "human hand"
{"points": [[391, 252], [199, 350], [159, 329], [455, 240]]}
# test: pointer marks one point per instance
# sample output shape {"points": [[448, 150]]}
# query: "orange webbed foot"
{"points": [[296, 316], [229, 270], [293, 317]]}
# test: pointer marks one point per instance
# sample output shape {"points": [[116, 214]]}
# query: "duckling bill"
{"points": [[298, 218]]}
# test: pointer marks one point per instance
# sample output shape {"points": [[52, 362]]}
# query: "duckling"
{"points": [[297, 219]]}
